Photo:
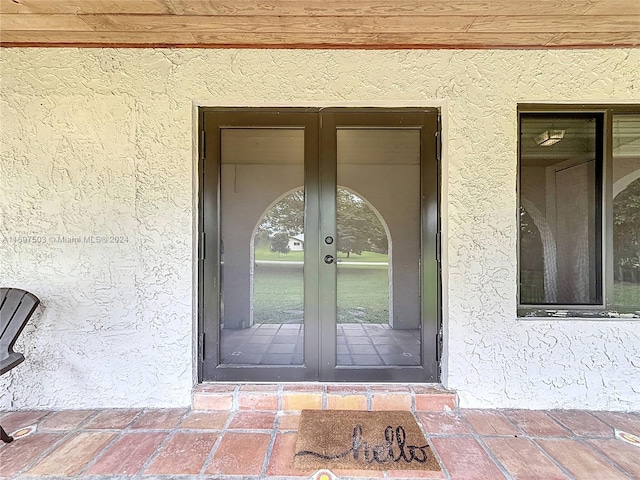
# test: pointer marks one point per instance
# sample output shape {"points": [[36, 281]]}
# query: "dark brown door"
{"points": [[318, 259]]}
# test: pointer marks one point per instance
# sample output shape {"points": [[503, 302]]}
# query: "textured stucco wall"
{"points": [[99, 143]]}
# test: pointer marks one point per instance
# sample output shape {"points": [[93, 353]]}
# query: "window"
{"points": [[579, 211]]}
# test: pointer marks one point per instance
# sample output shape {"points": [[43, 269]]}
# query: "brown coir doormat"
{"points": [[345, 439]]}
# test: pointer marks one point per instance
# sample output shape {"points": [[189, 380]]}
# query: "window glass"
{"points": [[560, 210], [626, 212]]}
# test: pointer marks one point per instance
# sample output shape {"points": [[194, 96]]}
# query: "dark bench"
{"points": [[16, 307]]}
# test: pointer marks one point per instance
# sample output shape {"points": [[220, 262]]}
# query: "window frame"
{"points": [[605, 309]]}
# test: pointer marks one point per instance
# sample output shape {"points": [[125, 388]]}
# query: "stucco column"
{"points": [[394, 192], [247, 192]]}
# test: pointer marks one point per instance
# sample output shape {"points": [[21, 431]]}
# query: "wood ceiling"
{"points": [[321, 23]]}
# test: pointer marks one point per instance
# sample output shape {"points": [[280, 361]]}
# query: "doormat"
{"points": [[360, 440]]}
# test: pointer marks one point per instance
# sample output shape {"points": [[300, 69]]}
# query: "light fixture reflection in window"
{"points": [[549, 137]]}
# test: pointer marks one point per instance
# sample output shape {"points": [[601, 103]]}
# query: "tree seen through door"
{"points": [[363, 258]]}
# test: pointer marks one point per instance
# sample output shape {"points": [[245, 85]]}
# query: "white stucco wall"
{"points": [[99, 143]]}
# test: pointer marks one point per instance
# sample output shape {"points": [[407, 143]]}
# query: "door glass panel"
{"points": [[626, 213], [378, 244], [262, 246]]}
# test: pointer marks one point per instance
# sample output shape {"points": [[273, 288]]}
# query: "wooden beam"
{"points": [[619, 7], [558, 24], [363, 40], [382, 7], [15, 21], [106, 39], [328, 25], [322, 23], [315, 40], [606, 39], [25, 7]]}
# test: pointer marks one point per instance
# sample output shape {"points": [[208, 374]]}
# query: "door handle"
{"points": [[328, 259]]}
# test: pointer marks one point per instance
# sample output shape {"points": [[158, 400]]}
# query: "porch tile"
{"points": [[183, 454], [426, 474], [346, 389], [490, 423], [205, 420], [216, 387], [212, 401], [73, 455], [443, 423], [582, 423], [112, 419], [253, 421], [159, 419], [263, 388], [65, 419], [390, 388], [240, 454], [629, 422], [12, 421], [523, 459], [430, 390], [257, 401], [362, 350], [281, 459], [391, 401], [301, 401], [625, 455], [242, 443], [17, 455], [346, 402], [435, 402], [358, 473], [289, 421], [537, 423], [465, 459], [579, 460], [280, 348], [128, 454], [303, 388]]}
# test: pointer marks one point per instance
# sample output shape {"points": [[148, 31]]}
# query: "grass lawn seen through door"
{"points": [[278, 288]]}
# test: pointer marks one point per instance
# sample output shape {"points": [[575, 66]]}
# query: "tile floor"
{"points": [[254, 444], [357, 344]]}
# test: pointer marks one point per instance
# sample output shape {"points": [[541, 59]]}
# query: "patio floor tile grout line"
{"points": [[553, 460], [592, 415], [114, 440], [170, 434], [488, 451], [323, 397], [216, 445], [513, 423], [604, 457], [280, 394], [64, 436], [272, 441], [561, 423], [45, 453], [99, 453], [595, 414], [445, 471]]}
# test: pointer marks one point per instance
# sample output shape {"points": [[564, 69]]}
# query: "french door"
{"points": [[318, 247]]}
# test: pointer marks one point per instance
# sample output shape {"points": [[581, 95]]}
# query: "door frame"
{"points": [[208, 251]]}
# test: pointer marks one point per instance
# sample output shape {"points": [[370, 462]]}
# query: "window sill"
{"points": [[538, 313]]}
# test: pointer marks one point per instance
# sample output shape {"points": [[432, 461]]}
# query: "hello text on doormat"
{"points": [[341, 439]]}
